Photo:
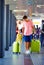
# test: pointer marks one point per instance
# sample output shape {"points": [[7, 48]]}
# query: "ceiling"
{"points": [[25, 5]]}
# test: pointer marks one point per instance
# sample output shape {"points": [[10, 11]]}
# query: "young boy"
{"points": [[27, 31]]}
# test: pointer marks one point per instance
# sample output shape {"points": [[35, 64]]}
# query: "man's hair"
{"points": [[24, 17]]}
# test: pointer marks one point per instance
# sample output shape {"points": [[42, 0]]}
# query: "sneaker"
{"points": [[28, 52]]}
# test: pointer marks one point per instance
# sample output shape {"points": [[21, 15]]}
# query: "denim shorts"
{"points": [[27, 38]]}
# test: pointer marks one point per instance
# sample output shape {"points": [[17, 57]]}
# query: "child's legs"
{"points": [[28, 41], [27, 45]]}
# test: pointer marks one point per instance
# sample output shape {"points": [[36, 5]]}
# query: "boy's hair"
{"points": [[24, 17]]}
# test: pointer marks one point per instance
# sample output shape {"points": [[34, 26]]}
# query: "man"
{"points": [[42, 34]]}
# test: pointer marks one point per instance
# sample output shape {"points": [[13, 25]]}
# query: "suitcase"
{"points": [[35, 46], [16, 47]]}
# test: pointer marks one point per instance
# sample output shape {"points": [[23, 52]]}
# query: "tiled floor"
{"points": [[15, 59], [38, 59], [27, 60], [12, 59], [22, 59]]}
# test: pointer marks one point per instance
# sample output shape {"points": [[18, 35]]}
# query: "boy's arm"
{"points": [[33, 26]]}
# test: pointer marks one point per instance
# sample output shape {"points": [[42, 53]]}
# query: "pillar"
{"points": [[10, 26], [7, 27], [1, 28], [13, 29]]}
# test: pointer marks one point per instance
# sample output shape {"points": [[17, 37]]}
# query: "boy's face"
{"points": [[26, 20]]}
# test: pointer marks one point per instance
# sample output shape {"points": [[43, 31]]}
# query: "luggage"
{"points": [[16, 47], [35, 46], [17, 44]]}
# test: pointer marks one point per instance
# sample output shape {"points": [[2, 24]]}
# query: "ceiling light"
{"points": [[19, 10], [38, 6], [16, 7], [14, 0]]}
